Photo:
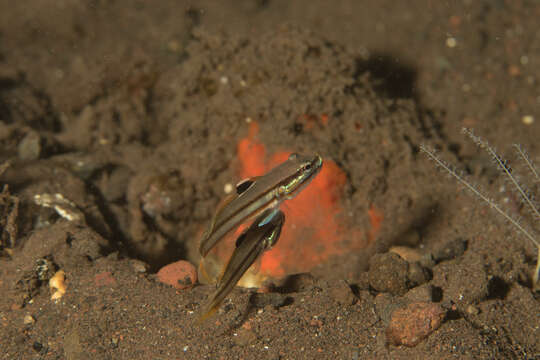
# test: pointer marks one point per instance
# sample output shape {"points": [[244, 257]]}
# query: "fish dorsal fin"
{"points": [[245, 184]]}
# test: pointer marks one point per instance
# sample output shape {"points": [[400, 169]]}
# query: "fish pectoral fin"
{"points": [[268, 215]]}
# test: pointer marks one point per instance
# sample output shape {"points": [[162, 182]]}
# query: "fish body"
{"points": [[256, 195]]}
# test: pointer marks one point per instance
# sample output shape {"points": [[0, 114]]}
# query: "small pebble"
{"points": [[423, 293], [407, 253], [28, 319], [181, 275], [417, 275], [139, 266], [409, 326], [463, 284], [342, 293], [388, 273]]}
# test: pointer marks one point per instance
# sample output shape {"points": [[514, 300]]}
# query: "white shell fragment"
{"points": [[64, 207], [57, 285]]}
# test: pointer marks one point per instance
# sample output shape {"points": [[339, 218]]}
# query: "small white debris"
{"points": [[224, 80], [524, 60], [243, 83], [451, 42], [248, 120], [527, 119], [185, 348], [58, 285], [28, 319], [64, 207], [228, 188]]}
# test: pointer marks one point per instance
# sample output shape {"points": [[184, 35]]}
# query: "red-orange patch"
{"points": [[315, 227]]}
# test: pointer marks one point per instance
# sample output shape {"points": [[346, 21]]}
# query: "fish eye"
{"points": [[307, 166]]}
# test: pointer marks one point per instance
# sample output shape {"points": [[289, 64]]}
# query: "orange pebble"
{"points": [[181, 275]]}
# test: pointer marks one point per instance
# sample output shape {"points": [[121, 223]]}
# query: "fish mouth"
{"points": [[317, 164]]}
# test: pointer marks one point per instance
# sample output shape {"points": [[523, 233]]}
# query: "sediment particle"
{"points": [[181, 275], [389, 273], [410, 325]]}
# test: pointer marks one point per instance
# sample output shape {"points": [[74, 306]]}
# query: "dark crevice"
{"points": [[497, 288]]}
